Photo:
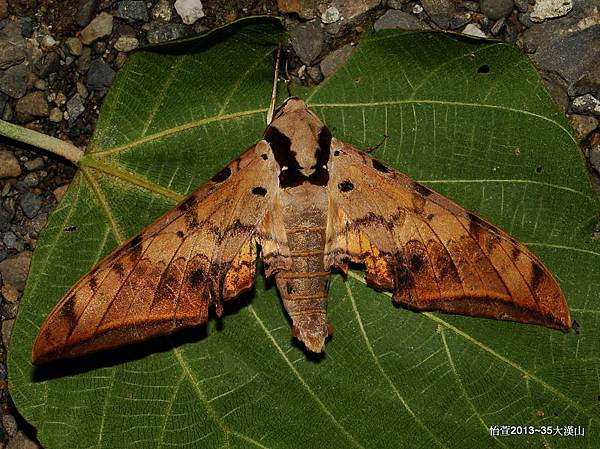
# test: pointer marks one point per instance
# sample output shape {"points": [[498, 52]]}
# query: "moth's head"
{"points": [[299, 140]]}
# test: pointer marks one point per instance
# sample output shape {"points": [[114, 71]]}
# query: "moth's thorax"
{"points": [[300, 143]]}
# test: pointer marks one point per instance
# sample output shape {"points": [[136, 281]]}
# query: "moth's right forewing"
{"points": [[198, 254], [432, 253]]}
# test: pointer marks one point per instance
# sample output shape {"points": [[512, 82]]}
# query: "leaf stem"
{"points": [[37, 139]]}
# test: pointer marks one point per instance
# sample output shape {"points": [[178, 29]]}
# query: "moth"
{"points": [[304, 203]]}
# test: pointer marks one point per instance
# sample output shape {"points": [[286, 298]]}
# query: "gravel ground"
{"points": [[58, 58]]}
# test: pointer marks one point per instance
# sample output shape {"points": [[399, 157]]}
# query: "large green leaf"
{"points": [[468, 118]]}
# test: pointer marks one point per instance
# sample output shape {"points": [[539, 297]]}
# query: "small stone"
{"points": [[525, 19], [82, 90], [399, 19], [12, 51], [47, 42], [304, 8], [21, 441], [314, 73], [49, 63], [59, 192], [550, 9], [9, 166], [13, 82], [10, 293], [396, 4], [126, 43], [470, 6], [56, 115], [189, 10], [120, 60], [496, 9], [100, 75], [75, 107], [331, 15], [83, 62], [74, 46], [417, 9], [163, 32], [440, 11], [60, 99], [583, 125], [334, 60], [14, 270], [32, 105], [99, 27], [595, 158], [36, 225], [586, 104], [350, 10], [307, 40], [162, 11], [9, 310], [10, 424], [30, 204], [473, 30], [132, 10], [497, 27], [521, 5], [85, 11], [34, 164], [10, 239], [7, 326]]}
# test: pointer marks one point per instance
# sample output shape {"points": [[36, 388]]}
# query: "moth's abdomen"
{"points": [[303, 288]]}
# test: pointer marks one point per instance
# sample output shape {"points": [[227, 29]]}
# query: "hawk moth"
{"points": [[305, 203]]}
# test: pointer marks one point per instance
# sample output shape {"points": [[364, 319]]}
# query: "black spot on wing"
{"points": [[345, 186], [196, 278], [320, 176], [187, 204], [180, 234], [421, 189], [260, 191], [380, 167], [222, 175]]}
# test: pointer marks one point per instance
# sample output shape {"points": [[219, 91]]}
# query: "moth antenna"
{"points": [[373, 148], [274, 91]]}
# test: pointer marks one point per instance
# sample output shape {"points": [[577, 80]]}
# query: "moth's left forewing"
{"points": [[432, 253], [195, 256]]}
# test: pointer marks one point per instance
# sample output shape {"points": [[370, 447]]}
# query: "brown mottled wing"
{"points": [[200, 253], [432, 253]]}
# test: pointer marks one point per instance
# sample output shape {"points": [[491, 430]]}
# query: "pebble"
{"points": [[189, 10], [496, 9], [473, 30], [162, 11], [59, 192], [440, 11], [586, 104], [9, 166], [82, 90], [521, 5], [10, 239], [34, 164], [314, 73], [470, 6], [55, 115], [31, 179], [350, 10], [100, 75], [12, 48], [595, 158], [21, 441], [10, 293], [9, 310], [396, 4], [75, 107], [36, 225], [99, 27], [10, 424], [14, 270], [331, 15], [32, 105], [49, 63], [582, 124], [74, 46], [163, 32], [399, 19], [550, 9], [30, 204], [132, 10], [335, 59], [13, 81], [7, 326], [307, 40], [126, 43], [85, 11]]}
